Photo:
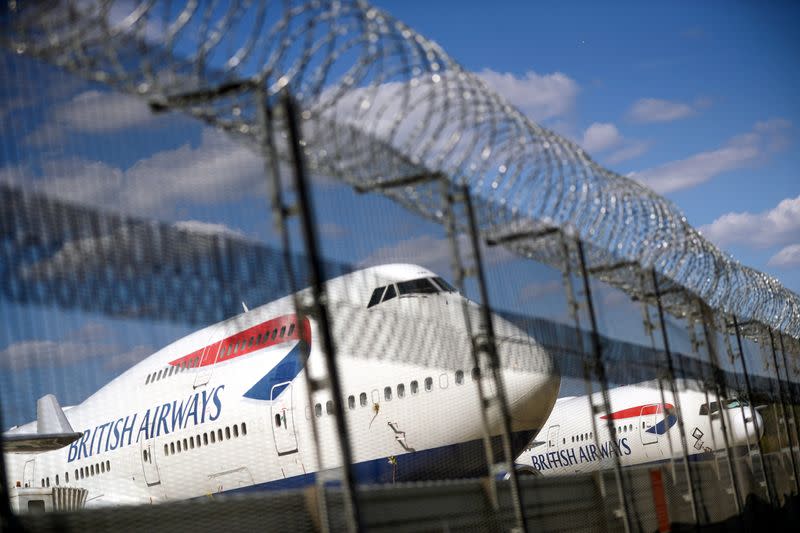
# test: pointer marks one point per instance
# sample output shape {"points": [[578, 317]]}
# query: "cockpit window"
{"points": [[733, 404], [444, 285], [704, 409], [417, 286], [376, 296], [390, 293]]}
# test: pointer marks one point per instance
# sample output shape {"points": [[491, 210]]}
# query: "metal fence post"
{"points": [[319, 301], [676, 399], [719, 389], [770, 495], [786, 420], [600, 372], [484, 343]]}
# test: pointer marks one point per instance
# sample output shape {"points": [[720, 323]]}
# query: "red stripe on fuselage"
{"points": [[637, 411], [247, 341]]}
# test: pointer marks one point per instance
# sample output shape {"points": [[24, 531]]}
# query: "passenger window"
{"points": [[213, 437], [227, 433], [244, 429], [171, 370], [185, 445], [146, 381], [291, 329], [283, 331], [66, 477], [277, 420], [476, 373], [428, 384], [158, 378], [191, 443], [401, 391], [459, 377], [376, 297], [166, 449], [172, 447], [108, 466], [362, 399], [258, 339], [274, 333], [351, 402], [205, 439], [329, 407], [318, 410], [235, 431], [179, 447], [390, 293], [219, 434], [387, 393], [443, 381], [414, 387], [250, 342]]}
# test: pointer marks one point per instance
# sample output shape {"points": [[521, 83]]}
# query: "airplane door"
{"points": [[204, 372], [28, 472], [648, 422], [552, 437], [149, 464], [282, 420]]}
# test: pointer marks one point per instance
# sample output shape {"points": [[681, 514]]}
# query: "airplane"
{"points": [[225, 409], [645, 426]]}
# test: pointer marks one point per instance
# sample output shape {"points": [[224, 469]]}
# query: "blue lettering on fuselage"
{"points": [[586, 453], [159, 422]]}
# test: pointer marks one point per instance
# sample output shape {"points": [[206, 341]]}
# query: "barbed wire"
{"points": [[386, 109]]}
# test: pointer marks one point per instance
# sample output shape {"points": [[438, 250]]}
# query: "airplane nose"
{"points": [[749, 426], [760, 422]]}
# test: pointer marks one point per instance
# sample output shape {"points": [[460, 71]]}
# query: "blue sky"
{"points": [[704, 93], [698, 101]]}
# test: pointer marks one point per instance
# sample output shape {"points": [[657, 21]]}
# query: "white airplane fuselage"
{"points": [[226, 408], [645, 429]]}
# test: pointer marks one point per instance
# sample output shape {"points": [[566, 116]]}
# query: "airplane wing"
{"points": [[37, 442], [53, 430]]}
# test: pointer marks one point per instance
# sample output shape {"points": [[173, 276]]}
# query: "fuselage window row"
{"points": [[387, 394], [202, 439], [81, 473]]}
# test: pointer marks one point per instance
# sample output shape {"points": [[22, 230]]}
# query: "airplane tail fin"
{"points": [[53, 430]]}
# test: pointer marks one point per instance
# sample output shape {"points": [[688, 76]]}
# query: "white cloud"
{"points": [[657, 110], [88, 342], [777, 226], [788, 256], [540, 96], [207, 228], [630, 150], [94, 112], [100, 112], [219, 170], [742, 150], [600, 136], [433, 253]]}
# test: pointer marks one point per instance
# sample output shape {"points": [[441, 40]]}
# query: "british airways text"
{"points": [[161, 420], [586, 453]]}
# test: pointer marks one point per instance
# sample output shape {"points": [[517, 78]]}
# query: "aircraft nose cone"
{"points": [[748, 426]]}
